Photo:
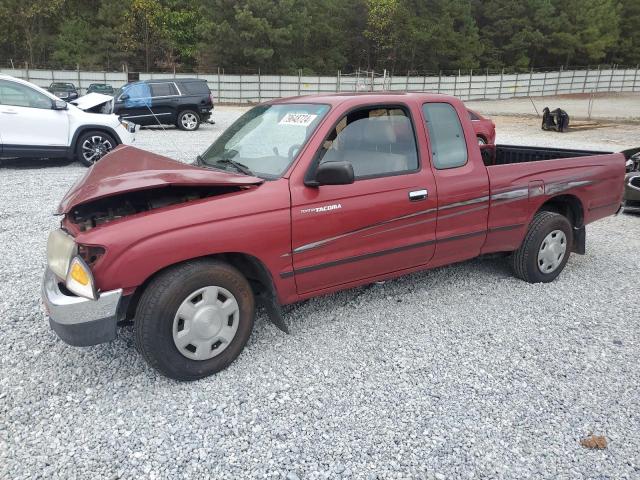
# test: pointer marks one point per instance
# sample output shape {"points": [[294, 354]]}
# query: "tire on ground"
{"points": [[524, 261], [182, 121], [158, 306], [94, 137]]}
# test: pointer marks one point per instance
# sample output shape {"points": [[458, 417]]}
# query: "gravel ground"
{"points": [[604, 106], [459, 372]]}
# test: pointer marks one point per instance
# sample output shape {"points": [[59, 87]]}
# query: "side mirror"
{"points": [[334, 173], [123, 97], [59, 105]]}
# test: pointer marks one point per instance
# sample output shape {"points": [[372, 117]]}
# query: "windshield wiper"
{"points": [[237, 165]]}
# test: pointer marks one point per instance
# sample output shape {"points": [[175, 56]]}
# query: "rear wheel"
{"points": [[188, 120], [92, 146], [545, 249], [194, 319]]}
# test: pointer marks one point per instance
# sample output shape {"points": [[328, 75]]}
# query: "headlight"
{"points": [[80, 279], [60, 249], [130, 127]]}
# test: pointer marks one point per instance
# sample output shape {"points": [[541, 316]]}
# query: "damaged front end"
{"points": [[108, 209]]}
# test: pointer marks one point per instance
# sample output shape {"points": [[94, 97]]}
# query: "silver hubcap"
{"points": [[189, 121], [206, 323], [95, 147], [552, 251]]}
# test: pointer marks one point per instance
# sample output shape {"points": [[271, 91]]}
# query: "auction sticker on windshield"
{"points": [[301, 119]]}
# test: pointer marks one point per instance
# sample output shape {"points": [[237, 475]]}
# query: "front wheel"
{"points": [[194, 319], [188, 120], [92, 146], [545, 249]]}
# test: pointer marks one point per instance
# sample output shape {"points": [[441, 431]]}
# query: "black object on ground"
{"points": [[555, 120]]}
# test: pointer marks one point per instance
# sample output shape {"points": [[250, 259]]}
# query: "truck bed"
{"points": [[506, 154]]}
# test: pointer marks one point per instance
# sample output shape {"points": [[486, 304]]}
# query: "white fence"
{"points": [[258, 88]]}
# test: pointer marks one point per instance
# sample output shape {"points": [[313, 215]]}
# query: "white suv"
{"points": [[34, 123]]}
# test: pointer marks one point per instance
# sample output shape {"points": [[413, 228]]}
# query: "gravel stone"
{"points": [[459, 372]]}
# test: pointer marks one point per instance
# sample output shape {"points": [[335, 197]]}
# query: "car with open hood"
{"points": [[302, 197], [34, 123]]}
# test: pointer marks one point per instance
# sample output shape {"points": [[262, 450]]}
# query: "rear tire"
{"points": [[158, 315], [92, 146], [188, 120], [545, 249]]}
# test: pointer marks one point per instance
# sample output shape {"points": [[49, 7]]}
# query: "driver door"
{"points": [[384, 222], [27, 119]]}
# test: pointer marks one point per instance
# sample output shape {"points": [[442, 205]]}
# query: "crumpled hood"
{"points": [[128, 169], [91, 100]]}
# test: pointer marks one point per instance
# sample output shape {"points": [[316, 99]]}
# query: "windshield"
{"points": [[62, 86], [266, 139]]}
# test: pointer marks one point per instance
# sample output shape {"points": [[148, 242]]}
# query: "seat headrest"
{"points": [[379, 131]]}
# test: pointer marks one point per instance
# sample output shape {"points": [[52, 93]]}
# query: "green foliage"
{"points": [[319, 36]]}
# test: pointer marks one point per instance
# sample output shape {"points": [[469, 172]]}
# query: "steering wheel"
{"points": [[293, 150]]}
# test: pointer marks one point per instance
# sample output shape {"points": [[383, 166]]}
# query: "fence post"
{"points": [[240, 89], [406, 83], [338, 86], [26, 70], [78, 72], [635, 76], [280, 86], [515, 88], [586, 77], [299, 75], [573, 75], [530, 80], [544, 83], [259, 88], [455, 83], [439, 78], [610, 78], [486, 80], [558, 80], [424, 82], [500, 87], [219, 84], [598, 80], [470, 80]]}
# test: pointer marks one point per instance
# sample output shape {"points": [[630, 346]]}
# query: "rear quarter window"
{"points": [[448, 145], [194, 88]]}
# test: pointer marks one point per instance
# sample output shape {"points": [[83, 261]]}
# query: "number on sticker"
{"points": [[301, 119]]}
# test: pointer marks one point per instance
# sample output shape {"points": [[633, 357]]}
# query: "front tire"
{"points": [[188, 120], [92, 146], [194, 319], [545, 249]]}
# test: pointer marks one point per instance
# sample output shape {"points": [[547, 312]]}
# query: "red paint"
{"points": [[484, 127], [266, 220]]}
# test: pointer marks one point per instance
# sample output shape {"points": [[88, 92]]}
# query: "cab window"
{"points": [[448, 145], [377, 141]]}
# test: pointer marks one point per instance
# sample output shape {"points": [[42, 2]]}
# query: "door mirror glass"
{"points": [[334, 173], [59, 105], [124, 97]]}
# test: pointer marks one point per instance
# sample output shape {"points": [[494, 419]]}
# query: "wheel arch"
{"points": [[255, 271], [571, 207], [91, 128], [568, 205]]}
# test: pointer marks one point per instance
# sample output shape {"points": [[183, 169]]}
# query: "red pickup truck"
{"points": [[302, 197]]}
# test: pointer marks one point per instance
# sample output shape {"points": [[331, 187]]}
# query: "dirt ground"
{"points": [[621, 107], [600, 135]]}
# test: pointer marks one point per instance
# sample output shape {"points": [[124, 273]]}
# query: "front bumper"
{"points": [[79, 321], [126, 137]]}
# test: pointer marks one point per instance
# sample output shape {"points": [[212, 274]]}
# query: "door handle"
{"points": [[418, 195]]}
